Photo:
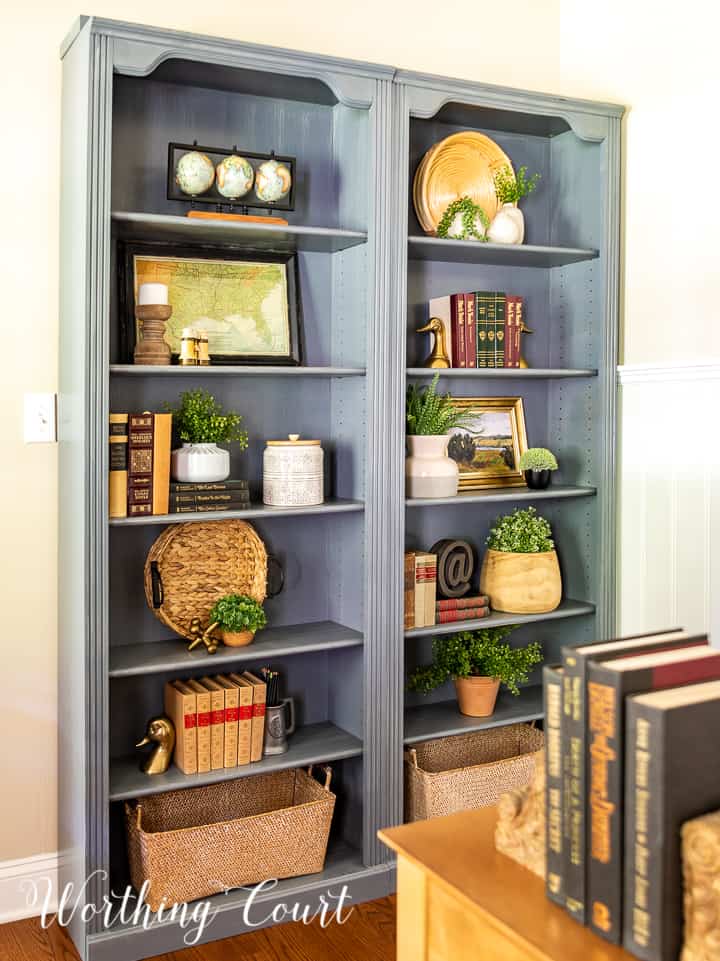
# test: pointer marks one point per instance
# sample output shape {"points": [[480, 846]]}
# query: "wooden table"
{"points": [[460, 900]]}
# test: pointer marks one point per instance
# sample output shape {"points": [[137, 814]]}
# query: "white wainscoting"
{"points": [[24, 887], [669, 476]]}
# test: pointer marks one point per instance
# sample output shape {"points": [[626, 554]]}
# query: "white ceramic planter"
{"points": [[429, 472], [200, 463], [508, 226]]}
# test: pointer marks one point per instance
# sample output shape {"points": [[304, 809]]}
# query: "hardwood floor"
{"points": [[367, 935]]}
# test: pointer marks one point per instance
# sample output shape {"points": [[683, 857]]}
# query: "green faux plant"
{"points": [[538, 458], [430, 413], [522, 532], [470, 213], [238, 612], [201, 420], [482, 653], [509, 187]]}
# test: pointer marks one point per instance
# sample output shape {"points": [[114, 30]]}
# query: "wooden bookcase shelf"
{"points": [[335, 505], [442, 718], [160, 657], [313, 744], [366, 273], [498, 255], [567, 608]]}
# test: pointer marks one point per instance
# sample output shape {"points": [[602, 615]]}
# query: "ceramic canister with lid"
{"points": [[293, 472]]}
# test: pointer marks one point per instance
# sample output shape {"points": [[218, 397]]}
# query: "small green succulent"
{"points": [[538, 458], [522, 532]]}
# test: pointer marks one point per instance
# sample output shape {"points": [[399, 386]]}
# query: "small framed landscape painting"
{"points": [[488, 446], [247, 301]]}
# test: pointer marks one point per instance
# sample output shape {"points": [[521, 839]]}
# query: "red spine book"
{"points": [[470, 332], [457, 320], [510, 330], [464, 614], [459, 603], [519, 306], [140, 464]]}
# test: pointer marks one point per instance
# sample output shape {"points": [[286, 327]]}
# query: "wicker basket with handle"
{"points": [[191, 566], [197, 842], [468, 771]]}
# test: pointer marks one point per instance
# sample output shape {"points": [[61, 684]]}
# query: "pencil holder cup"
{"points": [[279, 725]]}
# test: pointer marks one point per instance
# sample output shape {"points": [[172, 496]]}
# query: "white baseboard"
{"points": [[17, 877], [665, 373]]}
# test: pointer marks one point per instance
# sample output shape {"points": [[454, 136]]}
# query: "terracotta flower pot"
{"points": [[477, 695], [237, 638], [521, 583]]}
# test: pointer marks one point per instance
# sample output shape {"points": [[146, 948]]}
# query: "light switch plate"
{"points": [[40, 418]]}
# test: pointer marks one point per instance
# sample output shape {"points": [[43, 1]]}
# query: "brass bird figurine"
{"points": [[161, 732], [438, 357]]}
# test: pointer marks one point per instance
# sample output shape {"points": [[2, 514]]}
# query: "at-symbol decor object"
{"points": [[455, 567], [293, 472], [202, 424], [537, 465], [520, 571], [462, 165], [701, 896], [464, 220], [273, 181], [520, 829], [195, 173], [152, 312], [508, 226], [438, 356], [160, 731], [234, 177]]}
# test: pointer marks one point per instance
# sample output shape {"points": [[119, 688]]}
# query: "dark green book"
{"points": [[500, 306], [481, 306], [176, 487]]}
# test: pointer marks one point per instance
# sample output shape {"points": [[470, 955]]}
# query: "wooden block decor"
{"points": [[701, 898], [520, 831], [455, 567]]}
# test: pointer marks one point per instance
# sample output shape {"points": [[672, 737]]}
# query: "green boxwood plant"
{"points": [[482, 653], [538, 458], [201, 420], [522, 532], [238, 612]]}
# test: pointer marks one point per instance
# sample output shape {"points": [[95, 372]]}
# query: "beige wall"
{"points": [[627, 54]]}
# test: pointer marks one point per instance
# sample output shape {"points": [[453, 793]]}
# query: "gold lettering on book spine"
{"points": [[640, 914], [701, 898], [601, 722]]}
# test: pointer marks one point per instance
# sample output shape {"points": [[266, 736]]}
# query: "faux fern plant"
{"points": [[429, 413]]}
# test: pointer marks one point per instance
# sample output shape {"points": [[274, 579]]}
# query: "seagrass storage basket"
{"points": [[197, 842], [191, 566], [468, 771]]}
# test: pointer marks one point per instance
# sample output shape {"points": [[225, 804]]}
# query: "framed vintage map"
{"points": [[247, 301]]}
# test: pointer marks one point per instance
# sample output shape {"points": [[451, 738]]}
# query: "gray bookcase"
{"points": [[366, 271]]}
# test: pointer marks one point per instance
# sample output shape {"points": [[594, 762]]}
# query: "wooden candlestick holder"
{"points": [[152, 348]]}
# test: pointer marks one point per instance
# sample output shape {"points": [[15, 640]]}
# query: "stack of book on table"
{"points": [[632, 753], [219, 721], [482, 328]]}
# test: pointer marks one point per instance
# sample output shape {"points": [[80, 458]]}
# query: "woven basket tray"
{"points": [[197, 842], [468, 771], [191, 566]]}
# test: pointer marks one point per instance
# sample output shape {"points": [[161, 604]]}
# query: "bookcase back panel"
{"points": [[315, 588], [149, 113], [577, 187]]}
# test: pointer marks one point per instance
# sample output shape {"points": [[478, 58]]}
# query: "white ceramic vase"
{"points": [[429, 472], [200, 463], [508, 226]]}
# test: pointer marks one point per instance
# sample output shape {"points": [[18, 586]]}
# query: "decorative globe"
{"points": [[272, 181], [194, 173], [234, 177]]}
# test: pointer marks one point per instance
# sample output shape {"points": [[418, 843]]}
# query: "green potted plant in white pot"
{"points": [[430, 417], [478, 662], [201, 424], [537, 465], [508, 226], [520, 571]]}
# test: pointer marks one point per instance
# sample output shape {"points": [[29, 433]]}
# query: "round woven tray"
{"points": [[191, 566], [462, 165]]}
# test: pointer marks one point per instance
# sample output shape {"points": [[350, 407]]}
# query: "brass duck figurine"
{"points": [[161, 732], [438, 357]]}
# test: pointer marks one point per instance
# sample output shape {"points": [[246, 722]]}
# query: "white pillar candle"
{"points": [[152, 294]]}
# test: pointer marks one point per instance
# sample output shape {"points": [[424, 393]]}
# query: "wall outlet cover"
{"points": [[40, 418]]}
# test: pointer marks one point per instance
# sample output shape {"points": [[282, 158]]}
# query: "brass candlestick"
{"points": [[438, 357], [152, 348]]}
